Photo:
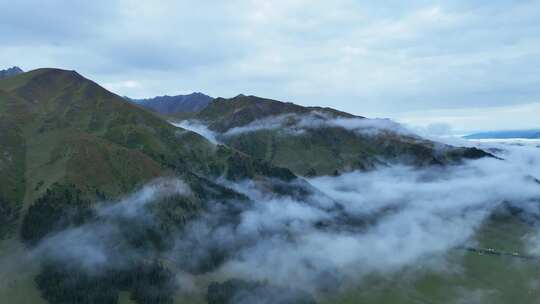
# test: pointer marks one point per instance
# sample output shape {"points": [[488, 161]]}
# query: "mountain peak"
{"points": [[166, 104], [46, 79], [10, 72]]}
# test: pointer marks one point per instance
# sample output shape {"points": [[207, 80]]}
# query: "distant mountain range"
{"points": [[10, 72], [528, 134], [175, 104]]}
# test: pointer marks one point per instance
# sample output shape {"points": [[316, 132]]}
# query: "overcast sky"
{"points": [[474, 65]]}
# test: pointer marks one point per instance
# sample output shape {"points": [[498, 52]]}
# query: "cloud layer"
{"points": [[298, 123], [357, 56], [354, 225], [414, 216]]}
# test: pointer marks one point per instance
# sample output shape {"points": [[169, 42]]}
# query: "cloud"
{"points": [[122, 84], [344, 229], [357, 56], [268, 123], [371, 126], [98, 242], [199, 128], [296, 124]]}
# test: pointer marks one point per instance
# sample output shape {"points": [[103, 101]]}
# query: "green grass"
{"points": [[471, 278], [17, 275], [66, 129]]}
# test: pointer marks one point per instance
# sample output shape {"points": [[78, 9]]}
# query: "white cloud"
{"points": [[298, 123], [91, 246], [356, 56], [122, 85], [199, 128], [375, 222]]}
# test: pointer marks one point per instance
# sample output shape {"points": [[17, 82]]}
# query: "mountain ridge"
{"points": [[10, 72], [77, 161], [170, 105], [314, 141], [64, 128]]}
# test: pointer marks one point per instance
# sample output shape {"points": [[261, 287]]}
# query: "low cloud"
{"points": [[269, 123], [199, 128], [364, 223], [371, 126], [351, 226], [296, 124], [96, 244]]}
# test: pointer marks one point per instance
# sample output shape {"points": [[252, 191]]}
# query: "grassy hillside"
{"points": [[67, 143], [322, 150], [59, 127], [225, 114]]}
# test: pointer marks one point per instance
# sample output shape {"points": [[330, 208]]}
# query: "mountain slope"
{"points": [[224, 114], [175, 104], [62, 118], [320, 141], [70, 153], [63, 128]]}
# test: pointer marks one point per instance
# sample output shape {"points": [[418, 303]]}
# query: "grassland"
{"points": [[468, 277]]}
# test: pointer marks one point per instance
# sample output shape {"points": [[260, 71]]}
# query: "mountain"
{"points": [[76, 158], [61, 128], [175, 104], [314, 141], [529, 134], [103, 201], [10, 72]]}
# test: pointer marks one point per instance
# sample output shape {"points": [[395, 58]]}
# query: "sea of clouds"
{"points": [[371, 222], [351, 226]]}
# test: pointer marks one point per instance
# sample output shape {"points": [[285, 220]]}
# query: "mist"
{"points": [[414, 216], [346, 228], [97, 244], [199, 128], [298, 124]]}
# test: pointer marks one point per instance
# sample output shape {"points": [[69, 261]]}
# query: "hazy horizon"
{"points": [[468, 66], [364, 152]]}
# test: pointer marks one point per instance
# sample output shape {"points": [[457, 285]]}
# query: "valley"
{"points": [[252, 199]]}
